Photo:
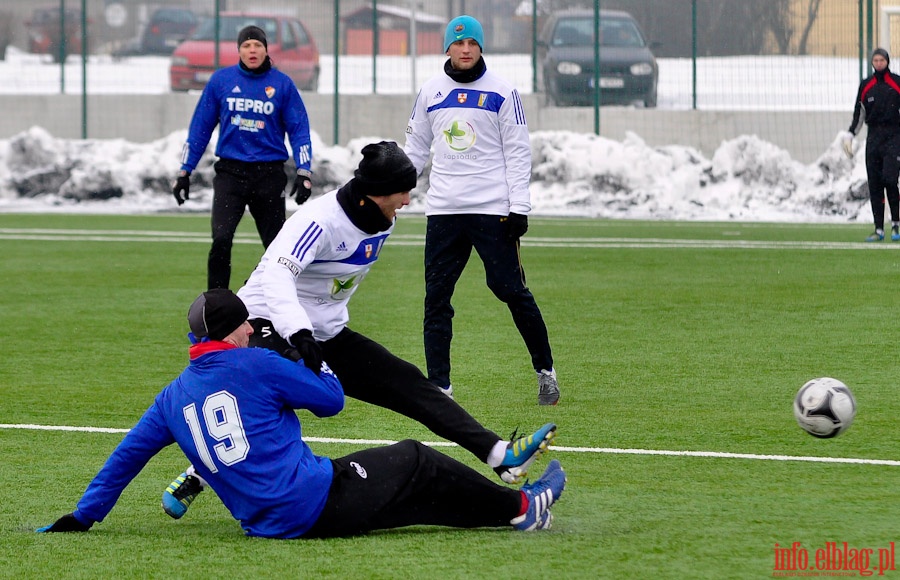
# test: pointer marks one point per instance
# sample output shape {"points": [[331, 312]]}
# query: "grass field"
{"points": [[668, 337]]}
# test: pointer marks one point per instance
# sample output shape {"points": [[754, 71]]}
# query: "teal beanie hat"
{"points": [[463, 27]]}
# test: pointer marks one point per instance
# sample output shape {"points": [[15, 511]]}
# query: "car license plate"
{"points": [[610, 83], [202, 77]]}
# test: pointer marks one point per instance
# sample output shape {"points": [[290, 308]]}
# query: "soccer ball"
{"points": [[824, 407]]}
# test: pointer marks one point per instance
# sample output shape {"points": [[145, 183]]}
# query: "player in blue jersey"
{"points": [[231, 413], [254, 106], [474, 123], [297, 298]]}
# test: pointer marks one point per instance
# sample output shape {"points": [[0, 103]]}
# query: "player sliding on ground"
{"points": [[231, 413], [297, 299]]}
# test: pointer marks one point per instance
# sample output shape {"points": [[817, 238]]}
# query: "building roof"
{"points": [[398, 12]]}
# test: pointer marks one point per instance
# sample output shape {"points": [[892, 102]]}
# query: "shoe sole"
{"points": [[544, 401], [172, 511]]}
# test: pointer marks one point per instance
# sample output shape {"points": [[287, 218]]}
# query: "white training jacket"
{"points": [[312, 268], [482, 151]]}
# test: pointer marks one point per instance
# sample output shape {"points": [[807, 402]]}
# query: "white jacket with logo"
{"points": [[312, 268], [482, 151]]}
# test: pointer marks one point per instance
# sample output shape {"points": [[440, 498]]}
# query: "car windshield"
{"points": [[230, 26], [613, 32]]}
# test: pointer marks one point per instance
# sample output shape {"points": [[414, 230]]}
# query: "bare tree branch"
{"points": [[812, 12]]}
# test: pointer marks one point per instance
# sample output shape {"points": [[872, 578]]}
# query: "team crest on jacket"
{"points": [[461, 97], [368, 251], [270, 92]]}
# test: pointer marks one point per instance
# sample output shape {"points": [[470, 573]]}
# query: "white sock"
{"points": [[495, 458], [190, 471]]}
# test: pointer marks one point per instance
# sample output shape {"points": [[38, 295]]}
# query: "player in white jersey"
{"points": [[297, 302], [478, 197]]}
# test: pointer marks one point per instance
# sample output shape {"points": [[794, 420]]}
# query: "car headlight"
{"points": [[179, 61], [641, 69], [568, 68]]}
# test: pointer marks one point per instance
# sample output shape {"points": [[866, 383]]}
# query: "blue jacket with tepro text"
{"points": [[253, 112]]}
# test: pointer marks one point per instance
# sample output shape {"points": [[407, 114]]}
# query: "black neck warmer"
{"points": [[362, 211], [265, 67], [466, 76]]}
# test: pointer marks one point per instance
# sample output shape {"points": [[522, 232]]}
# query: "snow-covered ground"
{"points": [[574, 174]]}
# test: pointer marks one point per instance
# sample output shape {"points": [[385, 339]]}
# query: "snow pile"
{"points": [[574, 174]]}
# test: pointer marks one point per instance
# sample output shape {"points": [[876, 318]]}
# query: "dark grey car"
{"points": [[628, 71]]}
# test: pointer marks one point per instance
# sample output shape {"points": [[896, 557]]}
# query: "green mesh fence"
{"points": [[712, 55]]}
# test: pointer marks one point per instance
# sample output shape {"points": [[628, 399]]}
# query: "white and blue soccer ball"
{"points": [[824, 407]]}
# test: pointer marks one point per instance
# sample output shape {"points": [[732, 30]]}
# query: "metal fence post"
{"points": [[84, 62], [534, 41], [374, 47], [336, 100], [596, 79], [61, 54], [694, 55]]}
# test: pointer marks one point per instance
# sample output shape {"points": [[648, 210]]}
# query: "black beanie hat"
{"points": [[384, 170], [216, 314], [883, 53], [252, 33]]}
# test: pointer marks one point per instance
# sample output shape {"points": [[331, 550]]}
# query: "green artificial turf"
{"points": [[667, 337]]}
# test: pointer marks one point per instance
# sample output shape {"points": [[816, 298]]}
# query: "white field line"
{"points": [[709, 454], [40, 234]]}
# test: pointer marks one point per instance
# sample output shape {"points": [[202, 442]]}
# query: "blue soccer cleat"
{"points": [[180, 494], [522, 452], [542, 494]]}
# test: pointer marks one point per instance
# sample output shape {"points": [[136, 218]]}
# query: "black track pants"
{"points": [[883, 169], [371, 373], [448, 244], [236, 186], [409, 484]]}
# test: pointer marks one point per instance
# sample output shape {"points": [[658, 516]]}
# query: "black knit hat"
{"points": [[883, 53], [252, 33], [384, 170], [216, 314]]}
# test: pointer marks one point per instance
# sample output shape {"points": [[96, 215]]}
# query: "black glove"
{"points": [[67, 523], [302, 186], [182, 183], [516, 226], [309, 349]]}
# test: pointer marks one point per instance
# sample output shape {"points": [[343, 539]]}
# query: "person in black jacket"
{"points": [[879, 98]]}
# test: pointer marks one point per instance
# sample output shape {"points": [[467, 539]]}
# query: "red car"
{"points": [[44, 32], [291, 49]]}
